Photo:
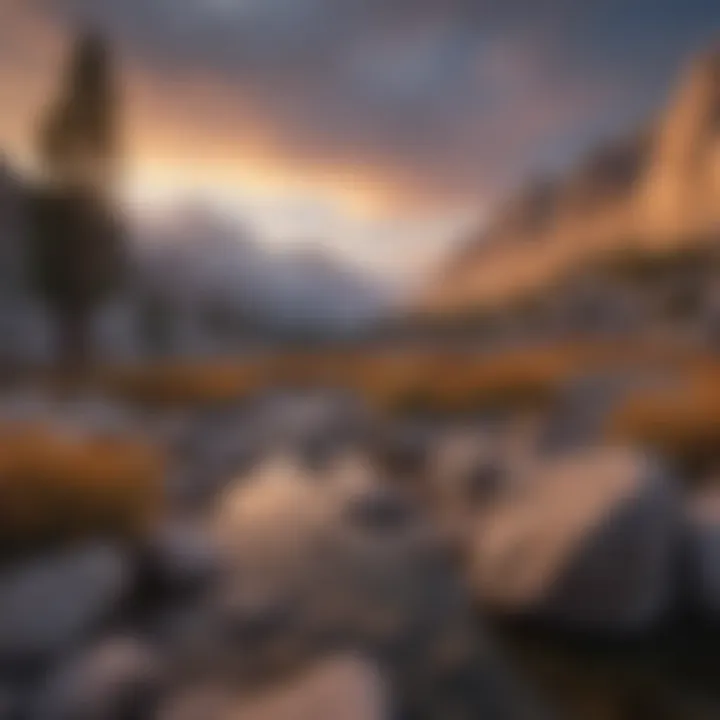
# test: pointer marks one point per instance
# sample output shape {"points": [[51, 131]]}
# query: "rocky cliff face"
{"points": [[658, 188]]}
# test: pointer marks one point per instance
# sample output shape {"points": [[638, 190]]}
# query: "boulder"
{"points": [[49, 604], [348, 550], [201, 701], [317, 562], [467, 474], [210, 451], [299, 417], [702, 558], [271, 516], [181, 556], [99, 416], [383, 510], [345, 556], [473, 470], [120, 679], [342, 688], [402, 451], [177, 566], [270, 528], [589, 544]]}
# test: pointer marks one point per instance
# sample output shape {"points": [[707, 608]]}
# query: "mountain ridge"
{"points": [[657, 187]]}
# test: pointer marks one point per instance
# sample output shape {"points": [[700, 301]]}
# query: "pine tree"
{"points": [[77, 240]]}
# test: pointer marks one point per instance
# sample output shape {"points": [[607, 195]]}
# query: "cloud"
{"points": [[388, 103]]}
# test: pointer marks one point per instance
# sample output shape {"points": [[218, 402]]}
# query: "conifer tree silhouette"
{"points": [[77, 238]]}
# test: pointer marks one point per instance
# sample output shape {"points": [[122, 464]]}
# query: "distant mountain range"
{"points": [[656, 189], [208, 283], [197, 259]]}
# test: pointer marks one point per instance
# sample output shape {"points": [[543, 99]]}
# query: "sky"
{"points": [[382, 129]]}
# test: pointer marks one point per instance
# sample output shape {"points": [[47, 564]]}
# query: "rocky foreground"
{"points": [[313, 563]]}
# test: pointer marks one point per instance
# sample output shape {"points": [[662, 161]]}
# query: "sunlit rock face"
{"points": [[680, 191], [353, 556], [656, 189], [588, 545]]}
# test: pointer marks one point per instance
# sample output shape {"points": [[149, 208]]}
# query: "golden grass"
{"points": [[391, 380], [681, 422], [56, 488], [518, 380], [460, 384], [186, 384]]}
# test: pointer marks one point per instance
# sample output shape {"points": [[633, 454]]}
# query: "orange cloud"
{"points": [[195, 130], [186, 131], [384, 107]]}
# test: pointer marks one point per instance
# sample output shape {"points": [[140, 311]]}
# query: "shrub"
{"points": [[517, 380], [682, 423], [409, 379], [56, 487], [187, 384]]}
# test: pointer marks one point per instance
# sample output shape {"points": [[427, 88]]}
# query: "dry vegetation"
{"points": [[186, 384], [682, 422], [393, 381], [447, 383], [56, 487]]}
